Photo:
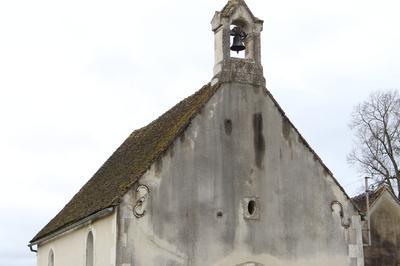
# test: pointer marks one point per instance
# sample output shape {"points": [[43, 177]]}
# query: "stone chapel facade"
{"points": [[222, 178]]}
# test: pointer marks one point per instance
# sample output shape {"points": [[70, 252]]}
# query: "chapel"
{"points": [[222, 178]]}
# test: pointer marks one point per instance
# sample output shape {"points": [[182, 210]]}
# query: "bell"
{"points": [[238, 36], [238, 44]]}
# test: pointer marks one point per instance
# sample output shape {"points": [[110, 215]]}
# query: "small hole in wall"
{"points": [[220, 214], [251, 207]]}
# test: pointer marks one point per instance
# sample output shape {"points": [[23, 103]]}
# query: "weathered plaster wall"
{"points": [[385, 233], [70, 249], [238, 148]]}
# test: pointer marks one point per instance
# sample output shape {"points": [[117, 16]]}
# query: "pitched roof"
{"points": [[228, 8], [360, 200], [128, 163], [232, 5]]}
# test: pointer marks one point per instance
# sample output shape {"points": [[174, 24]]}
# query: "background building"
{"points": [[385, 227]]}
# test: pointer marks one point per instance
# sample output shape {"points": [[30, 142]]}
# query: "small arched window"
{"points": [[89, 250], [51, 258]]}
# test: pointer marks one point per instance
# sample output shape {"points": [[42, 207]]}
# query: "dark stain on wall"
{"points": [[384, 255], [182, 138], [171, 151], [228, 126], [259, 142], [286, 127], [158, 166]]}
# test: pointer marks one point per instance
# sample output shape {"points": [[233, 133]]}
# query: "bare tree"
{"points": [[376, 151]]}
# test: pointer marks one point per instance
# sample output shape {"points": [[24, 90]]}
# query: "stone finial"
{"points": [[226, 68]]}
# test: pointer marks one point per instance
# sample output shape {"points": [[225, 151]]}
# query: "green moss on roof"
{"points": [[129, 162]]}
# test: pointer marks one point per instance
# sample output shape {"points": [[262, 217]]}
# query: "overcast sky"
{"points": [[76, 77]]}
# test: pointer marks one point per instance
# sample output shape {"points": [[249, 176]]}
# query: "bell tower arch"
{"points": [[236, 20]]}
